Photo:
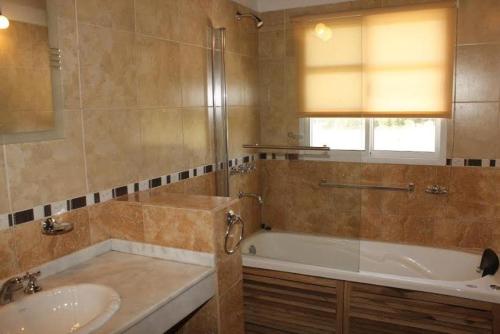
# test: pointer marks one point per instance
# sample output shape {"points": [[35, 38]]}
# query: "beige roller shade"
{"points": [[396, 63]]}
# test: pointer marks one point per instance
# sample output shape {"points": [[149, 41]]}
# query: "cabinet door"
{"points": [[278, 302], [381, 310]]}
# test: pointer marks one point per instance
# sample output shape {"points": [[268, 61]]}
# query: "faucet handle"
{"points": [[32, 285]]}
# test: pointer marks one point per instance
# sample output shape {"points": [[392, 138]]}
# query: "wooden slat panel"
{"points": [[370, 308], [277, 302], [291, 277], [424, 296]]}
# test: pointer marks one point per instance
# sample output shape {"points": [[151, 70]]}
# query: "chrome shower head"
{"points": [[258, 22]]}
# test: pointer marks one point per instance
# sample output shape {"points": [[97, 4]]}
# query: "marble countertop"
{"points": [[145, 284]]}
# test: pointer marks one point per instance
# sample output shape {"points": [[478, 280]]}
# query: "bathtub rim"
{"points": [[462, 289]]}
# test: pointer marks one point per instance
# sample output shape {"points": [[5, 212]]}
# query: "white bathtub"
{"points": [[401, 266]]}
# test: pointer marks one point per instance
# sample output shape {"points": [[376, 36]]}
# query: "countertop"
{"points": [[144, 284]]}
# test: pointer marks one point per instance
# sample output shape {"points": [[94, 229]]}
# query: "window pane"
{"points": [[399, 134], [338, 133]]}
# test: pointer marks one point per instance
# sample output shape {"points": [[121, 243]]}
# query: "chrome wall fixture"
{"points": [[51, 227], [258, 21], [409, 188], [55, 55], [233, 220], [244, 168], [436, 189]]}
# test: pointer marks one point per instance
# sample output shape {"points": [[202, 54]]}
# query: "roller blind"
{"points": [[379, 63]]}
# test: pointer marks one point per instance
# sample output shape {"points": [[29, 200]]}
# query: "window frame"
{"points": [[369, 155]]}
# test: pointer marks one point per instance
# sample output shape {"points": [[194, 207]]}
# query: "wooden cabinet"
{"points": [[381, 310], [277, 303]]}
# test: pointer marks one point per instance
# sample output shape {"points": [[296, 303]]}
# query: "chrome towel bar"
{"points": [[409, 188], [285, 147]]}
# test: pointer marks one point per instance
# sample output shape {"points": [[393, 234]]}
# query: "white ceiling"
{"points": [[269, 5]]}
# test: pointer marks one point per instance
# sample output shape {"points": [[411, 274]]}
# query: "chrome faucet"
{"points": [[253, 195], [16, 283], [8, 289]]}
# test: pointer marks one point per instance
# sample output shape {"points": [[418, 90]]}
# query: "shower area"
{"points": [[264, 153]]}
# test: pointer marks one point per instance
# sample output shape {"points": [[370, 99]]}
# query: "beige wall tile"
{"points": [[243, 129], [161, 142], [8, 260], [44, 172], [194, 76], [107, 67], [223, 16], [113, 147], [476, 130], [478, 21], [198, 145], [234, 79], [272, 44], [201, 185], [158, 73], [195, 22], [171, 227], [203, 321], [231, 310], [33, 248], [478, 73], [117, 220], [229, 272], [158, 18], [117, 14], [70, 74]]}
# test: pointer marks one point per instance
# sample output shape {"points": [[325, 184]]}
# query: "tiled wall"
{"points": [[468, 217], [136, 85]]}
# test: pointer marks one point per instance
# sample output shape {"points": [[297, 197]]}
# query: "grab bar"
{"points": [[233, 220], [409, 188], [284, 147]]}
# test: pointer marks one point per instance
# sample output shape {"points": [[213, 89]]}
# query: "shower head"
{"points": [[258, 22]]}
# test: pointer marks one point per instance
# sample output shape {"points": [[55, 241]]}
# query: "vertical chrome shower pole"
{"points": [[219, 93]]}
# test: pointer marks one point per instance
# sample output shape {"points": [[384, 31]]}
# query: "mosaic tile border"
{"points": [[454, 162], [46, 210]]}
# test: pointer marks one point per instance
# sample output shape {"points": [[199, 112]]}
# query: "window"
{"points": [[394, 62], [389, 140]]}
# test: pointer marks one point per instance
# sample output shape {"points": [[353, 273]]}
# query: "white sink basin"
{"points": [[78, 309]]}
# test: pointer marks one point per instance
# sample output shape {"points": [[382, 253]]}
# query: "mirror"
{"points": [[30, 72]]}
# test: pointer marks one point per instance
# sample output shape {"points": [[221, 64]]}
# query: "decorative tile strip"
{"points": [[455, 162], [47, 210]]}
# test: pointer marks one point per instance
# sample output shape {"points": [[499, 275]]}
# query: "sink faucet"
{"points": [[8, 289], [16, 283], [253, 195]]}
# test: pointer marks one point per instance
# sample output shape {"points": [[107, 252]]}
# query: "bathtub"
{"points": [[417, 268]]}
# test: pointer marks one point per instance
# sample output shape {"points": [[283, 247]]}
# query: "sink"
{"points": [[81, 309]]}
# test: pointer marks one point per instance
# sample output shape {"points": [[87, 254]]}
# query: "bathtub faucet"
{"points": [[253, 195]]}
